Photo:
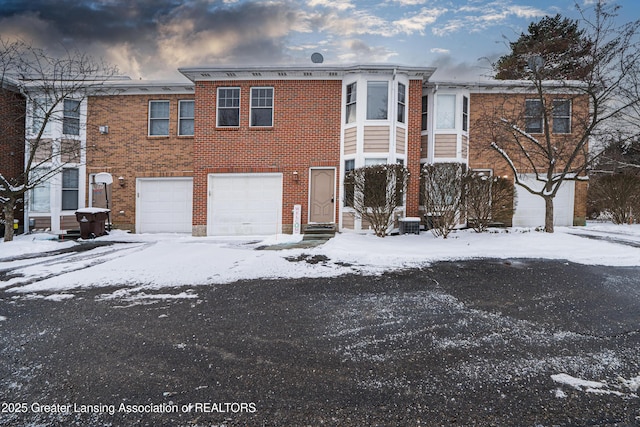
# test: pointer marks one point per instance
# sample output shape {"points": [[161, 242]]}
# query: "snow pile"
{"points": [[170, 260]]}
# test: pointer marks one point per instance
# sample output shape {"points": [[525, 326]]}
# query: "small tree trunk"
{"points": [[8, 220], [548, 214]]}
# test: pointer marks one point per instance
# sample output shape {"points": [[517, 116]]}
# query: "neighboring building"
{"points": [[236, 149], [12, 113]]}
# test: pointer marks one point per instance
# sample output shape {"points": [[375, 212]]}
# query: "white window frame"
{"points": [[563, 117], [351, 105], [68, 189], [261, 107], [69, 121], [370, 99], [226, 107], [181, 118], [530, 118], [449, 121], [465, 113], [167, 118], [402, 103], [39, 107]]}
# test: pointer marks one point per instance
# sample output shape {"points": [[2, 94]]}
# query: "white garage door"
{"points": [[530, 208], [244, 204], [164, 205]]}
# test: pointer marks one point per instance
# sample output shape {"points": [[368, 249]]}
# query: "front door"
{"points": [[322, 200]]}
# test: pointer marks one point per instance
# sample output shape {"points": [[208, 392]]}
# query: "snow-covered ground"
{"points": [[169, 260]]}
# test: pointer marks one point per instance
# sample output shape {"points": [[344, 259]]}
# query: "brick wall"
{"points": [[12, 126], [414, 142], [485, 108], [128, 151], [305, 133]]}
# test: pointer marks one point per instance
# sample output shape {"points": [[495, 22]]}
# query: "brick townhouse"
{"points": [[12, 116], [235, 149]]}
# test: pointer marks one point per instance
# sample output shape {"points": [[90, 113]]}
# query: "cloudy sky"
{"points": [[150, 39]]}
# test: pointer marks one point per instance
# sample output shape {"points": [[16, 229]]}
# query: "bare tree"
{"points": [[487, 199], [52, 88], [442, 187], [375, 193], [618, 196], [550, 140]]}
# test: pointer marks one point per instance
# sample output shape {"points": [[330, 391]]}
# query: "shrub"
{"points": [[375, 192]]}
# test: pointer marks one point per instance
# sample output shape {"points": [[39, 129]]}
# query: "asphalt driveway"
{"points": [[486, 342]]}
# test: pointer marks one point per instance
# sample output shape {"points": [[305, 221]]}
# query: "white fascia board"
{"points": [[335, 72]]}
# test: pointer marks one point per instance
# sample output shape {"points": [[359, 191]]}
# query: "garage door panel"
{"points": [[245, 204], [164, 205], [530, 208]]}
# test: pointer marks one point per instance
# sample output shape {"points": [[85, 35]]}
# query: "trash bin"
{"points": [[92, 222]]}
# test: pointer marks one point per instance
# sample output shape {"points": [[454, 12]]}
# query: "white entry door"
{"points": [[244, 204]]}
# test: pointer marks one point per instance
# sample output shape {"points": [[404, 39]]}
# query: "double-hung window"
{"points": [[402, 93], [41, 108], [465, 114], [39, 199], [71, 117], [261, 107], [445, 112], [70, 189], [349, 182], [158, 118], [533, 116], [185, 117], [425, 112], [350, 112], [561, 116], [377, 100], [228, 107]]}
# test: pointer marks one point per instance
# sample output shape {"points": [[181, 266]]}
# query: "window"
{"points": [[465, 114], [349, 182], [39, 200], [425, 111], [228, 107], [402, 89], [377, 96], [261, 106], [71, 117], [561, 116], [533, 116], [446, 112], [185, 118], [158, 118], [69, 189], [350, 112], [41, 107]]}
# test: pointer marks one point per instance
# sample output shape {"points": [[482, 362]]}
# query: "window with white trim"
{"points": [[425, 112], [561, 116], [349, 182], [533, 116], [70, 184], [158, 118], [39, 198], [402, 93], [41, 107], [445, 112], [228, 107], [261, 107], [71, 117], [465, 114], [186, 115], [350, 111], [377, 100]]}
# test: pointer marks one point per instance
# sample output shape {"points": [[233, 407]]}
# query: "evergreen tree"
{"points": [[565, 48]]}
